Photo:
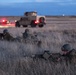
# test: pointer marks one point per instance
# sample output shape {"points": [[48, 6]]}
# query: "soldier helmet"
{"points": [[5, 31], [66, 47], [26, 30]]}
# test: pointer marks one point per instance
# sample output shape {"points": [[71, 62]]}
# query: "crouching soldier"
{"points": [[7, 36], [31, 38], [26, 34], [68, 54]]}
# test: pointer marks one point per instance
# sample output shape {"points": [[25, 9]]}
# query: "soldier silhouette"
{"points": [[68, 54], [6, 35]]}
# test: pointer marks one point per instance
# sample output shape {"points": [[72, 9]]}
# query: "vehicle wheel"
{"points": [[42, 19], [41, 25], [33, 24], [17, 24]]}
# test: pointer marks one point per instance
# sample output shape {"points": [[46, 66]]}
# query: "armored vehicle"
{"points": [[31, 19]]}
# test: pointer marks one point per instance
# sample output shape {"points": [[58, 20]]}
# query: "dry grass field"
{"points": [[58, 31], [12, 54]]}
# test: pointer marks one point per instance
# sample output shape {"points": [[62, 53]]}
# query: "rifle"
{"points": [[48, 56], [55, 57]]}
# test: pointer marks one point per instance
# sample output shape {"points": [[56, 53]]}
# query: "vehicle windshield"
{"points": [[30, 13]]}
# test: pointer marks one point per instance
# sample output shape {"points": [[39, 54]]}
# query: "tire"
{"points": [[17, 24], [42, 19], [33, 24], [41, 25]]}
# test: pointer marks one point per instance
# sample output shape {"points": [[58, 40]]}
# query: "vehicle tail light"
{"points": [[37, 21], [3, 20]]}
